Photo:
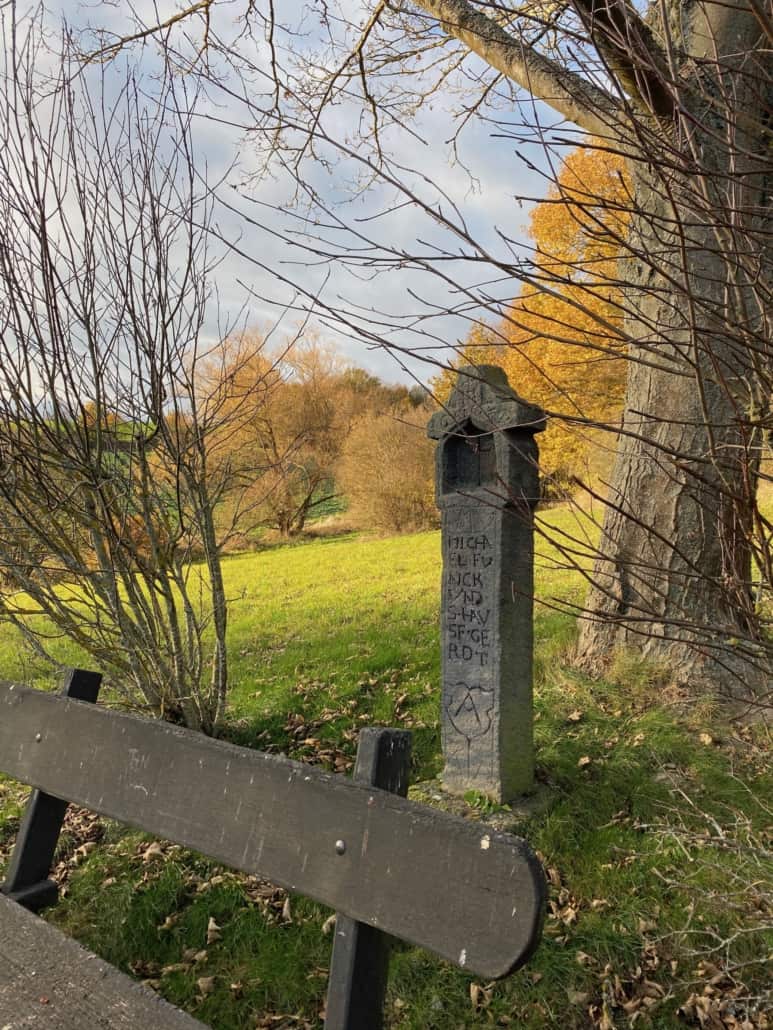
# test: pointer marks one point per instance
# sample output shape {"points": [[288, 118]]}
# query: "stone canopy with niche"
{"points": [[470, 461], [485, 440]]}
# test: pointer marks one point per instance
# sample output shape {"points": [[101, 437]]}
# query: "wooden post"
{"points": [[27, 879], [359, 964]]}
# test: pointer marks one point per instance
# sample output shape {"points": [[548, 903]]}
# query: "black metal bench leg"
{"points": [[27, 879], [359, 964]]}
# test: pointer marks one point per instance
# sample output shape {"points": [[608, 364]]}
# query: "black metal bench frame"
{"points": [[388, 866]]}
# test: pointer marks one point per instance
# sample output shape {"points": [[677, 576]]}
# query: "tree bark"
{"points": [[673, 579]]}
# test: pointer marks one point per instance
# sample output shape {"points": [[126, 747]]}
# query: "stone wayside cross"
{"points": [[487, 486]]}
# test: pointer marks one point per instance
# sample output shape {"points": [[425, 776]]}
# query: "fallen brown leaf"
{"points": [[154, 850], [577, 997]]}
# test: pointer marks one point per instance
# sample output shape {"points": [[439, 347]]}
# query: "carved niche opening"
{"points": [[470, 461]]}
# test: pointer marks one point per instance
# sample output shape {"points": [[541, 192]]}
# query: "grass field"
{"points": [[656, 833]]}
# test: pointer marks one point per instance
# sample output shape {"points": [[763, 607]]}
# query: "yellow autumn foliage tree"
{"points": [[565, 330], [565, 349]]}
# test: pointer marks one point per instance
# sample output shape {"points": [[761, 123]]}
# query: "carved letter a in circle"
{"points": [[469, 709]]}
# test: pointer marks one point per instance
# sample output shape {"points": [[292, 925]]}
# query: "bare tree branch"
{"points": [[631, 51], [573, 97]]}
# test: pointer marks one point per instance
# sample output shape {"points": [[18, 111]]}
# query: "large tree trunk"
{"points": [[674, 579], [674, 575]]}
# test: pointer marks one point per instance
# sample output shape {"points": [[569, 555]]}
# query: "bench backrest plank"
{"points": [[471, 895], [26, 876]]}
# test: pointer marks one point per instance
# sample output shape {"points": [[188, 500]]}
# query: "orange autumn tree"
{"points": [[565, 347], [280, 429], [561, 341]]}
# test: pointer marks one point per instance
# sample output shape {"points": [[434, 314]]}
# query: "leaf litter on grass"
{"points": [[626, 848]]}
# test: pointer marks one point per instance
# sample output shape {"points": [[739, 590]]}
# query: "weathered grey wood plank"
{"points": [[26, 878], [48, 981], [469, 894]]}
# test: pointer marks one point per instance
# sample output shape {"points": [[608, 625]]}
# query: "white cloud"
{"points": [[492, 198]]}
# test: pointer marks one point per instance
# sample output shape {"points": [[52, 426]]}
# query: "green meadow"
{"points": [[654, 816]]}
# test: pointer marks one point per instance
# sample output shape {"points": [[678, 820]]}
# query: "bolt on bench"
{"points": [[387, 865]]}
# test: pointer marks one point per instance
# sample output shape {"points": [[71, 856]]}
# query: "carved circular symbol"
{"points": [[469, 709]]}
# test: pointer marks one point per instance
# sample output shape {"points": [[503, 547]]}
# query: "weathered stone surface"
{"points": [[484, 396], [487, 487]]}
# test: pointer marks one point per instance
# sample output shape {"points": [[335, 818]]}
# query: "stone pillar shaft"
{"points": [[487, 641]]}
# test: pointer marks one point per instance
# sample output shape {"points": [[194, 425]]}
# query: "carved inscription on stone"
{"points": [[469, 612]]}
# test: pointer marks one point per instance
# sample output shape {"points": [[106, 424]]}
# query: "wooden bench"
{"points": [[388, 866]]}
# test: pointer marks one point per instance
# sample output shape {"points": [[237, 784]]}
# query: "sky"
{"points": [[267, 276]]}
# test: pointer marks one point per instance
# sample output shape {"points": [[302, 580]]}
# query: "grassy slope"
{"points": [[654, 837]]}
